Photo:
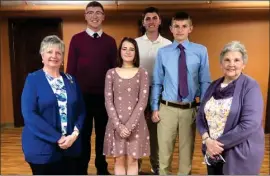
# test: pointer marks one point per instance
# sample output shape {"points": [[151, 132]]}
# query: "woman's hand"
{"points": [[213, 147], [124, 132], [68, 141], [61, 140]]}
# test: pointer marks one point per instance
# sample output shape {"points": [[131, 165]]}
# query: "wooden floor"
{"points": [[12, 160]]}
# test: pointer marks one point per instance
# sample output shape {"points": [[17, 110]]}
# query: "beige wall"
{"points": [[254, 34], [212, 31]]}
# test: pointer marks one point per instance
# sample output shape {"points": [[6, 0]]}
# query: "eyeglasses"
{"points": [[97, 13]]}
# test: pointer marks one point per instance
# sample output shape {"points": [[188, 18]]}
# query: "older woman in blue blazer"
{"points": [[230, 118], [53, 112]]}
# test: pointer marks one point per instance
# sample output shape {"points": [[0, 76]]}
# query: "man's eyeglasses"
{"points": [[97, 13]]}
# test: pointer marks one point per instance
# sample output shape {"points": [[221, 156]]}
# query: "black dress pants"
{"points": [[66, 166], [215, 170], [95, 110]]}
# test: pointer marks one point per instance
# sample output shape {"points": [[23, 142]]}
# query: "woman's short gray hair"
{"points": [[51, 40], [234, 46]]}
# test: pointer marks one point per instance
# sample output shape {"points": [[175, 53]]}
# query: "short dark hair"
{"points": [[136, 60], [149, 10], [95, 4], [181, 16]]}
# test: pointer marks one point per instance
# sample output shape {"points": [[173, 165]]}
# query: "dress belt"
{"points": [[182, 106]]}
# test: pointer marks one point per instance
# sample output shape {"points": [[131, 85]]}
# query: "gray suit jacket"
{"points": [[243, 136]]}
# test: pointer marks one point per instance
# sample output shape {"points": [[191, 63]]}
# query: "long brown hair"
{"points": [[136, 60]]}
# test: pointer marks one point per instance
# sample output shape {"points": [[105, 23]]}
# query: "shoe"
{"points": [[139, 169], [140, 165], [105, 172], [155, 171]]}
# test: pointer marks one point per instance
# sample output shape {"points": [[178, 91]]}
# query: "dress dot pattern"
{"points": [[125, 101]]}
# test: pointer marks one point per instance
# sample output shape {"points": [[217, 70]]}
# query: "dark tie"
{"points": [[182, 73], [95, 35]]}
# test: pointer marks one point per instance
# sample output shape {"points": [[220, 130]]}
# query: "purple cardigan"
{"points": [[243, 136]]}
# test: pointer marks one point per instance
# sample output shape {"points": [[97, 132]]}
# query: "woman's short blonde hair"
{"points": [[51, 40], [234, 46]]}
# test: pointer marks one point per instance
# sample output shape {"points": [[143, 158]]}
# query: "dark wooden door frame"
{"points": [[13, 63]]}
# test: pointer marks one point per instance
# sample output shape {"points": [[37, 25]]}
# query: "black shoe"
{"points": [[155, 171], [105, 172]]}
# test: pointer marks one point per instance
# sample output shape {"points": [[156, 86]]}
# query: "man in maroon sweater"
{"points": [[91, 53]]}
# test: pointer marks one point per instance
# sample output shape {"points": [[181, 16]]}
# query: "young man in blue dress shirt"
{"points": [[181, 73]]}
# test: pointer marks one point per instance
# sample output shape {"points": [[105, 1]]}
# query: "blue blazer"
{"points": [[42, 127]]}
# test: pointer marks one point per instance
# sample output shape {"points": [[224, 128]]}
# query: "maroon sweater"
{"points": [[89, 59]]}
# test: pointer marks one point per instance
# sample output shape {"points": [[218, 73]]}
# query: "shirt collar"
{"points": [[91, 32], [158, 40], [185, 43]]}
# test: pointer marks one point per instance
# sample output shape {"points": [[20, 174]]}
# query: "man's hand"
{"points": [[155, 117]]}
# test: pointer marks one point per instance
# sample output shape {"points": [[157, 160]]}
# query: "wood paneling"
{"points": [[6, 91], [12, 159]]}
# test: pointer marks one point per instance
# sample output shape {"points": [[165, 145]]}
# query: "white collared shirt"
{"points": [[148, 51], [91, 32]]}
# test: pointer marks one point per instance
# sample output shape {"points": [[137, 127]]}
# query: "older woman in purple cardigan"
{"points": [[230, 118]]}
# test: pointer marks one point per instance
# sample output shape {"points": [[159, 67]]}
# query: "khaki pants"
{"points": [[175, 121]]}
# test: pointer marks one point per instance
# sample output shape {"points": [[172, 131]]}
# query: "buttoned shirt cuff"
{"points": [[154, 107]]}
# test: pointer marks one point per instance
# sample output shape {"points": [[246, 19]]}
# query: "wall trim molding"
{"points": [[140, 5]]}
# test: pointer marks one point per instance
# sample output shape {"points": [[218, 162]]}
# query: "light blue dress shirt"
{"points": [[165, 73]]}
